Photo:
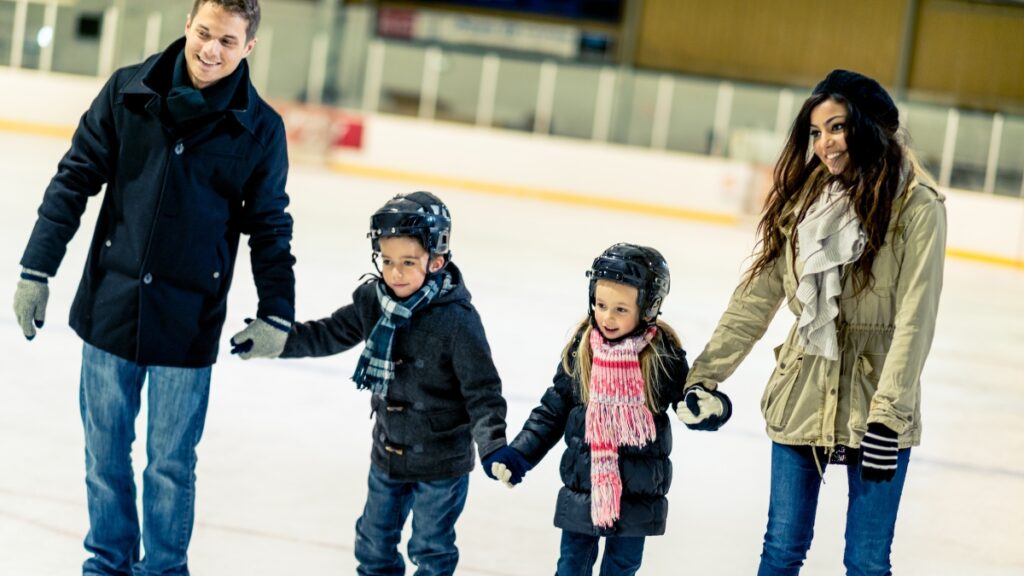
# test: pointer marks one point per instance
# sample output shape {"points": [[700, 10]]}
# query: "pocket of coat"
{"points": [[780, 385], [864, 382], [447, 420]]}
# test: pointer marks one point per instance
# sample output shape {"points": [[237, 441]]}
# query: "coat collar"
{"points": [[153, 80]]}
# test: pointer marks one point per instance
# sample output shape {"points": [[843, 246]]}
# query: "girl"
{"points": [[617, 377], [854, 243]]}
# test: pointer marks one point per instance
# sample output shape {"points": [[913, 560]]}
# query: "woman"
{"points": [[854, 243]]}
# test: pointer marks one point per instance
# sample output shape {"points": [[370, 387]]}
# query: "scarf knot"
{"points": [[375, 369], [617, 415]]}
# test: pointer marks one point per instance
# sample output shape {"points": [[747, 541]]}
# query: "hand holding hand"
{"points": [[703, 409], [30, 301], [507, 465], [262, 338]]}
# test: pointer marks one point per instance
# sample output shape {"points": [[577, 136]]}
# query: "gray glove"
{"points": [[262, 338], [30, 301]]}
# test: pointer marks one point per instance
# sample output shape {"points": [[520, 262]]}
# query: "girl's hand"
{"points": [[702, 409], [507, 465]]}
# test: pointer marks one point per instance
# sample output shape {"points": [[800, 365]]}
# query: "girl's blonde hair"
{"points": [[577, 360]]}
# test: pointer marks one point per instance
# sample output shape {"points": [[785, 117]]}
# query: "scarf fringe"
{"points": [[605, 487], [618, 424]]}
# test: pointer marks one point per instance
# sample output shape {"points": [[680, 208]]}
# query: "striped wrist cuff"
{"points": [[279, 323], [34, 276]]}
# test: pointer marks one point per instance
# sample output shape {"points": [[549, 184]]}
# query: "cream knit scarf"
{"points": [[829, 237]]}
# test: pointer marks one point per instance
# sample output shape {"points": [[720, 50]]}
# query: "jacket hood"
{"points": [[459, 292]]}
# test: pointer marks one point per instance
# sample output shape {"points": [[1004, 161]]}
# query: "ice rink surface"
{"points": [[283, 462]]}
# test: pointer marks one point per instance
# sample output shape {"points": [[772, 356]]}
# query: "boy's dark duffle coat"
{"points": [[446, 392], [155, 285], [646, 472]]}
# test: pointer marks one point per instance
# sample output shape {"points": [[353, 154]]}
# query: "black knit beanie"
{"points": [[864, 93]]}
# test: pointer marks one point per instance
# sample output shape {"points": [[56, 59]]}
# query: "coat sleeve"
{"points": [[747, 317], [81, 173], [269, 228], [342, 330], [673, 379], [917, 302], [480, 384], [546, 424]]}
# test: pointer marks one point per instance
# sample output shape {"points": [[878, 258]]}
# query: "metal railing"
{"points": [[963, 149]]}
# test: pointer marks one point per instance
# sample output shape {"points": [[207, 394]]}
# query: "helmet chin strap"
{"points": [[376, 265]]}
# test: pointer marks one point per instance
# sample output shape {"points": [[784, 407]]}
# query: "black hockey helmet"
{"points": [[641, 267], [420, 215]]}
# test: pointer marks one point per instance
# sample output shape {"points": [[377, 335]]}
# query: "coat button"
{"points": [[108, 243], [832, 391], [179, 148], [147, 279], [216, 274]]}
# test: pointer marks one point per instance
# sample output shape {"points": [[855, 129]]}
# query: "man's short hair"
{"points": [[248, 9]]}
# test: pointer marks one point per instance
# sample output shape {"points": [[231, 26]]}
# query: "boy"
{"points": [[435, 388]]}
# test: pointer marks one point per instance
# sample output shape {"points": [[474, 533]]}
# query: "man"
{"points": [[191, 158]]}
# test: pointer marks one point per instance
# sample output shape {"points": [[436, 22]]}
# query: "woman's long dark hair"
{"points": [[872, 178]]}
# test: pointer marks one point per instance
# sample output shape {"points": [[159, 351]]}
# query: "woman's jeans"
{"points": [[110, 396], [435, 506], [870, 514], [622, 555]]}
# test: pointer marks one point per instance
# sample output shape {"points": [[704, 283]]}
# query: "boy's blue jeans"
{"points": [[870, 515], [622, 555], [110, 397], [435, 506]]}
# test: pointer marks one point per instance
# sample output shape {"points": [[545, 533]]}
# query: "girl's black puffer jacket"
{"points": [[646, 471]]}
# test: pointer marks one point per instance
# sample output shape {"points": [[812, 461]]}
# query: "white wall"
{"points": [[980, 226], [555, 167]]}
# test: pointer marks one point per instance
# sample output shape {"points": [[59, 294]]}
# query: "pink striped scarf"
{"points": [[617, 415]]}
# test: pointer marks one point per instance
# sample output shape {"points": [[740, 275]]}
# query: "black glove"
{"points": [[262, 338], [704, 409], [878, 451], [506, 464]]}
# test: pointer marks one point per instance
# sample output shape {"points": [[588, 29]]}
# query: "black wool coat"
{"points": [[154, 289], [646, 472], [446, 392]]}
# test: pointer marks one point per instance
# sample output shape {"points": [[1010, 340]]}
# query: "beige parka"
{"points": [[885, 334]]}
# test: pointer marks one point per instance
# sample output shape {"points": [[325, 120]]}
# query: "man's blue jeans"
{"points": [[622, 555], [870, 515], [435, 506], [110, 397]]}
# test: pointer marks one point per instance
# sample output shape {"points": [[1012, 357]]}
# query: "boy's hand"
{"points": [[507, 465], [704, 409], [262, 338]]}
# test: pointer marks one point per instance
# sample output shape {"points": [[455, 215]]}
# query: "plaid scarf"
{"points": [[375, 369], [617, 415]]}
